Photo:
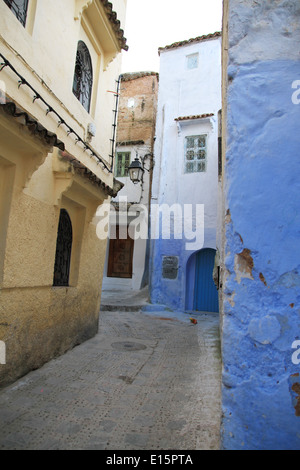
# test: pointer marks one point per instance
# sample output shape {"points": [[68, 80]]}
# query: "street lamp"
{"points": [[136, 171], [137, 168]]}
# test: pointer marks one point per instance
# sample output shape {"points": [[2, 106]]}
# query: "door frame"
{"points": [[110, 263]]}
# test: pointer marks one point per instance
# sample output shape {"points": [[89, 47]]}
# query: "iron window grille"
{"points": [[19, 9], [122, 164], [83, 76], [63, 250], [195, 154]]}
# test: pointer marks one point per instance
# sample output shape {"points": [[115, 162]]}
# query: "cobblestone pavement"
{"points": [[145, 381]]}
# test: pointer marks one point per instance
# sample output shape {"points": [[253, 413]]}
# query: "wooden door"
{"points": [[120, 257], [205, 293]]}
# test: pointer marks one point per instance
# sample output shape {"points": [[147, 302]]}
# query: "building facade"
{"points": [[260, 256], [56, 165], [185, 182], [127, 258]]}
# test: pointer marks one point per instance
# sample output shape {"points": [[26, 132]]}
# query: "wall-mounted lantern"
{"points": [[136, 171], [137, 168]]}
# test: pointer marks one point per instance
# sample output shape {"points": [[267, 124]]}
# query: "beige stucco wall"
{"points": [[39, 321], [46, 58]]}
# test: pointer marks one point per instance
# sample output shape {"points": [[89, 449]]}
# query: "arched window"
{"points": [[83, 76], [19, 9], [63, 250]]}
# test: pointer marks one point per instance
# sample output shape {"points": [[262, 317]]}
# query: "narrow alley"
{"points": [[149, 226], [147, 380]]}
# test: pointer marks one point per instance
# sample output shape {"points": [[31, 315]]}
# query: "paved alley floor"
{"points": [[145, 381]]}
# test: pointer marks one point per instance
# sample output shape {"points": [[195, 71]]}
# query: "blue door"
{"points": [[205, 293]]}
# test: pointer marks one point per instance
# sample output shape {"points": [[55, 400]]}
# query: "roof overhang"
{"points": [[184, 121], [203, 38], [80, 169], [10, 108], [104, 24]]}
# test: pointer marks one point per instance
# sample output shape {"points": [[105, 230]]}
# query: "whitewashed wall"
{"points": [[184, 92]]}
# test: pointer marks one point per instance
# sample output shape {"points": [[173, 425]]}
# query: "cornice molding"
{"points": [[80, 6], [105, 24]]}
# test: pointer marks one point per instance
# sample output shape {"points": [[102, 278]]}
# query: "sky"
{"points": [[158, 23]]}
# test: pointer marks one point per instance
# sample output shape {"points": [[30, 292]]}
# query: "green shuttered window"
{"points": [[122, 164]]}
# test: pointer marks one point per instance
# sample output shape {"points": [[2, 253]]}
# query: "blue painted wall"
{"points": [[261, 309], [168, 292], [176, 294]]}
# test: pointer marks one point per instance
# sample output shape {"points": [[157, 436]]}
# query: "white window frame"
{"points": [[197, 168]]}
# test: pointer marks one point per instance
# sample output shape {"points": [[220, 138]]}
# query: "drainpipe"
{"points": [[115, 111]]}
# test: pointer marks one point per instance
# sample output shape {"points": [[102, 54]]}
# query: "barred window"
{"points": [[195, 154], [19, 9], [63, 250], [83, 76], [122, 163]]}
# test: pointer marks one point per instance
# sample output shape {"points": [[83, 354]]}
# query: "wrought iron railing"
{"points": [[49, 109]]}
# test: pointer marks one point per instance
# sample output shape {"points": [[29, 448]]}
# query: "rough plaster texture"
{"points": [[39, 321], [263, 30], [261, 280], [137, 122]]}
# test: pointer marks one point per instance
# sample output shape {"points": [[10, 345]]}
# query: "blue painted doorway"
{"points": [[205, 292]]}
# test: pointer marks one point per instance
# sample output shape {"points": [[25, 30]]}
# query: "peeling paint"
{"points": [[243, 265], [228, 217], [231, 299], [294, 387], [262, 278]]}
